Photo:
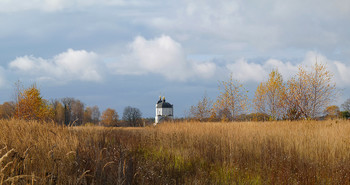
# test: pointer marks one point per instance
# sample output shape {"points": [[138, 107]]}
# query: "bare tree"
{"points": [[77, 111], [346, 105], [74, 111], [95, 114], [67, 102], [203, 110], [132, 116]]}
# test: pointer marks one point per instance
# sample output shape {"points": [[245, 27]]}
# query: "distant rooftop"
{"points": [[163, 104]]}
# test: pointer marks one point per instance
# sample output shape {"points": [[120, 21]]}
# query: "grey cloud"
{"points": [[258, 27], [54, 5]]}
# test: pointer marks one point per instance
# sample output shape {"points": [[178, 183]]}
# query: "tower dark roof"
{"points": [[163, 104], [160, 100]]}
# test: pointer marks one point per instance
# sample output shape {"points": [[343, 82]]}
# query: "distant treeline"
{"points": [[29, 105], [309, 94]]}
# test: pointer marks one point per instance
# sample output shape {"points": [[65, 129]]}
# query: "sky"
{"points": [[118, 53]]}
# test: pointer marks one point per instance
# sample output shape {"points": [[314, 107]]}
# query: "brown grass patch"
{"points": [[304, 152]]}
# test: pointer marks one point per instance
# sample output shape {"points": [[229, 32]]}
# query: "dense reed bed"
{"points": [[304, 152]]}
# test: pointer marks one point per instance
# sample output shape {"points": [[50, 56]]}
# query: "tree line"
{"points": [[307, 95], [29, 105]]}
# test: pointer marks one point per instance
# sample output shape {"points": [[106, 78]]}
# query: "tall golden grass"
{"points": [[44, 153], [303, 152]]}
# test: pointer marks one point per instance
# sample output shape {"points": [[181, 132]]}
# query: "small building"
{"points": [[164, 110]]}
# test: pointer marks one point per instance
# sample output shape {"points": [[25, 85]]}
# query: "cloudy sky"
{"points": [[115, 53]]}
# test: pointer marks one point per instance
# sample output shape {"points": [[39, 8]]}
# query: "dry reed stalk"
{"points": [[8, 154], [101, 153], [5, 167], [107, 164], [3, 149], [18, 177], [82, 176], [71, 152]]}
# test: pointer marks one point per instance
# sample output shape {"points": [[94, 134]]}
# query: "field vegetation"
{"points": [[59, 142], [279, 152]]}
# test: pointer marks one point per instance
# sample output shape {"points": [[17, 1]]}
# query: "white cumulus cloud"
{"points": [[163, 56], [244, 71], [67, 66], [339, 69], [343, 72], [256, 72]]}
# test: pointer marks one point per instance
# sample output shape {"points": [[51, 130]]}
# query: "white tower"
{"points": [[164, 110]]}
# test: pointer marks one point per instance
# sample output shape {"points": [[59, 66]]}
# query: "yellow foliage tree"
{"points": [[87, 115], [332, 112], [58, 112], [31, 106], [7, 110], [232, 100], [260, 99], [310, 92], [269, 96], [109, 117], [295, 98]]}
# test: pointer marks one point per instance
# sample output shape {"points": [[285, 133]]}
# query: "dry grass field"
{"points": [[304, 152]]}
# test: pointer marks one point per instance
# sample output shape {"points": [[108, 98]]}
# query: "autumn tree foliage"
{"points": [[58, 111], [270, 96], [88, 115], [332, 112], [294, 99], [310, 91], [306, 95], [92, 115], [203, 110], [109, 117], [7, 110], [70, 111], [232, 100], [31, 106]]}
